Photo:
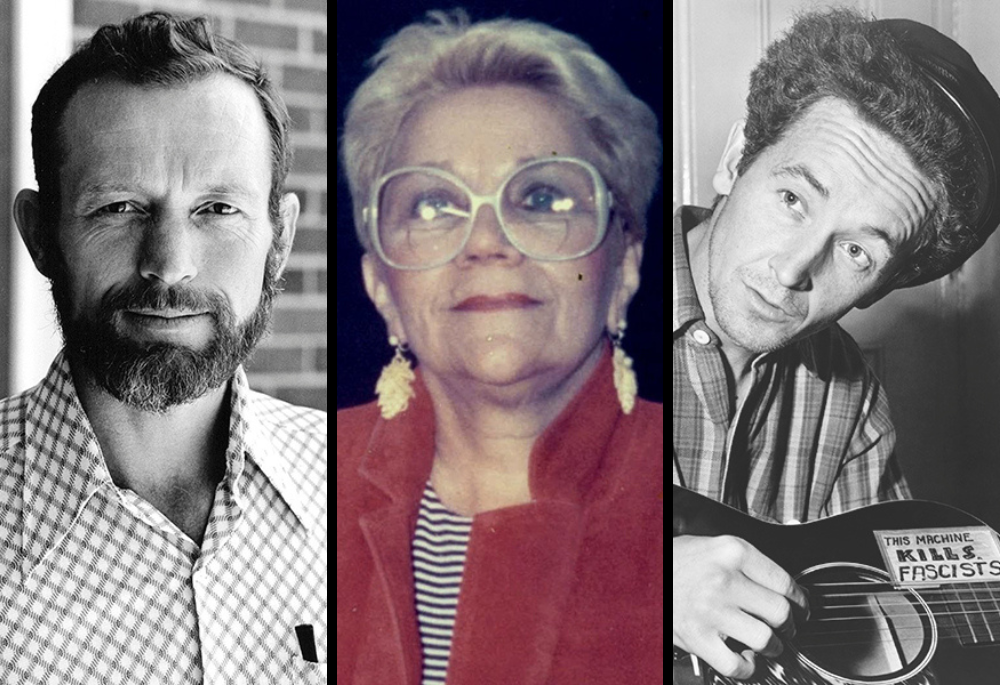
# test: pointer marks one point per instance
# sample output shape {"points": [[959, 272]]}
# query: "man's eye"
{"points": [[790, 199], [857, 255], [117, 208], [222, 209]]}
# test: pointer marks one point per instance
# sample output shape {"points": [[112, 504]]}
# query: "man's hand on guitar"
{"points": [[724, 588]]}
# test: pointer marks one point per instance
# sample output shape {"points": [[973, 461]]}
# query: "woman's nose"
{"points": [[487, 239]]}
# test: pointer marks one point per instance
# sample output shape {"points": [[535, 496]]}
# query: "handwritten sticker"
{"points": [[934, 556]]}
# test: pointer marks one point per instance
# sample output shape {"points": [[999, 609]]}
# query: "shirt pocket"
{"points": [[310, 673]]}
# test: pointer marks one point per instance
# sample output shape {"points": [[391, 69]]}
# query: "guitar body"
{"points": [[865, 627]]}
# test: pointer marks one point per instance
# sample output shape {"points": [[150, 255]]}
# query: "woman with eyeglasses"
{"points": [[500, 508]]}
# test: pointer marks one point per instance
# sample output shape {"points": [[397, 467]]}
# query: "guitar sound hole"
{"points": [[861, 629]]}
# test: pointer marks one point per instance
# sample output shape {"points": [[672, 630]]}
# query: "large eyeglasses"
{"points": [[553, 209]]}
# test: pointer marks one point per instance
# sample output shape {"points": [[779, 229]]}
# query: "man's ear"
{"points": [[28, 217], [289, 209], [725, 176]]}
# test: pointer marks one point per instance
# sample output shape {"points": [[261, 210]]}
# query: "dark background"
{"points": [[628, 35]]}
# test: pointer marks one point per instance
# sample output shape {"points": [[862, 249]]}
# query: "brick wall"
{"points": [[290, 36]]}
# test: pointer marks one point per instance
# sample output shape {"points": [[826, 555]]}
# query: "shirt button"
{"points": [[702, 337]]}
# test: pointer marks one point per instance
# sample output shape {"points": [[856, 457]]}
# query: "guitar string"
{"points": [[976, 614], [950, 632], [979, 613], [944, 587], [988, 583], [973, 594], [978, 592], [903, 631], [900, 634], [947, 630], [963, 600], [958, 595], [968, 633], [920, 637], [930, 602]]}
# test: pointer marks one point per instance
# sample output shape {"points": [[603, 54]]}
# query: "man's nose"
{"points": [[797, 263], [167, 251]]}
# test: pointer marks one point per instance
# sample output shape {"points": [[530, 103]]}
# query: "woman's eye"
{"points": [[548, 200], [431, 208], [857, 255]]}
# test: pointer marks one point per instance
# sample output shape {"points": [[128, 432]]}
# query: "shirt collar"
{"points": [[265, 437], [687, 309], [64, 466]]}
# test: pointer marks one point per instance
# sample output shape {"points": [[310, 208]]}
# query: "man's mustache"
{"points": [[146, 296]]}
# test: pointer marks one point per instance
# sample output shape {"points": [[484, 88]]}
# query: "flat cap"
{"points": [[952, 71]]}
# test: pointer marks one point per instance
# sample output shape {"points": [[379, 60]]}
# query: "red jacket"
{"points": [[567, 590]]}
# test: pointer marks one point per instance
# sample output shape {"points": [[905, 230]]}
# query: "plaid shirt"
{"points": [[97, 586], [812, 437]]}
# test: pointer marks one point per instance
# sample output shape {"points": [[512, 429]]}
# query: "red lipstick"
{"points": [[486, 303]]}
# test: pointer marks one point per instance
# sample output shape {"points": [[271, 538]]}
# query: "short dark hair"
{"points": [[154, 49], [842, 54]]}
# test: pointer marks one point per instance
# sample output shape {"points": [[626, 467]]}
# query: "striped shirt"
{"points": [[811, 437], [439, 548]]}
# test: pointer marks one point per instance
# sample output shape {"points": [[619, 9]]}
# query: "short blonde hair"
{"points": [[448, 52]]}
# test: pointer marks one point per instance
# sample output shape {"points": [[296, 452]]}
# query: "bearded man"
{"points": [[161, 523]]}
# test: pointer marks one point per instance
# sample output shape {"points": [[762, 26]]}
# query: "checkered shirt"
{"points": [[97, 587], [812, 437]]}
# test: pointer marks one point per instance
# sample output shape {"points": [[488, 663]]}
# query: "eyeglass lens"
{"points": [[550, 211]]}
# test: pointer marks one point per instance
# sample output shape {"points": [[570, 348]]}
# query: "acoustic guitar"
{"points": [[899, 592]]}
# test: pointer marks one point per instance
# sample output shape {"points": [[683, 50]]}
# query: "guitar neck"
{"points": [[968, 615]]}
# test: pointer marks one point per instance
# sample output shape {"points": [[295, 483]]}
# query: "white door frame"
{"points": [[43, 39]]}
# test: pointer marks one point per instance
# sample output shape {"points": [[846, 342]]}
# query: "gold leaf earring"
{"points": [[626, 382], [395, 385]]}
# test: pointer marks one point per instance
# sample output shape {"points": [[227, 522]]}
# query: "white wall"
{"points": [[42, 40]]}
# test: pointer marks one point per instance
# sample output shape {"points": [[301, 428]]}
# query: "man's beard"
{"points": [[155, 376]]}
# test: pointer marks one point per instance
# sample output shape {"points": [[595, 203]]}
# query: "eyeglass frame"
{"points": [[605, 204]]}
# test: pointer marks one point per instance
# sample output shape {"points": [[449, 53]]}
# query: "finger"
{"points": [[765, 572], [774, 646], [770, 607], [788, 630], [746, 631], [725, 661], [799, 597], [803, 612]]}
